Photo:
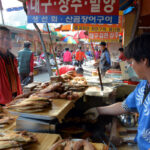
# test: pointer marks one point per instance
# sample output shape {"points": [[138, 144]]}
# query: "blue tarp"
{"points": [[128, 10]]}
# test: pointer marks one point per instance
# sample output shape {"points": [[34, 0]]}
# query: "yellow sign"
{"points": [[106, 40], [97, 28], [101, 27]]}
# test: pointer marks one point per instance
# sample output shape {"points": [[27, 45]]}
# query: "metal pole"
{"points": [[44, 49], [135, 26], [2, 17], [98, 69], [93, 50], [1, 11], [52, 49], [100, 79], [42, 42]]}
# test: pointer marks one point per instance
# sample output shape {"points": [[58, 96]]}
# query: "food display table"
{"points": [[46, 121], [45, 141], [100, 146], [58, 110]]}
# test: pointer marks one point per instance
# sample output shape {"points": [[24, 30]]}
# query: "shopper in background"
{"points": [[64, 69], [105, 61], [69, 68], [26, 59], [80, 72], [80, 56], [67, 57], [121, 56], [10, 85], [97, 54]]}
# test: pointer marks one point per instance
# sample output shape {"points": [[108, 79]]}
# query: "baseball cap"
{"points": [[103, 43]]}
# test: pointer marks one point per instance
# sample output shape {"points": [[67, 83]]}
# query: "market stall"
{"points": [[62, 99], [58, 106]]}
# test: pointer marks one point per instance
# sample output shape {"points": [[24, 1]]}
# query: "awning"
{"points": [[64, 28], [22, 27], [125, 4]]}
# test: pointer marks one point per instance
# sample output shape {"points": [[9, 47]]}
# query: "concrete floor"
{"points": [[41, 77]]}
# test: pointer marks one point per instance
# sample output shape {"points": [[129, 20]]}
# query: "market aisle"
{"points": [[88, 68], [41, 77], [44, 77]]}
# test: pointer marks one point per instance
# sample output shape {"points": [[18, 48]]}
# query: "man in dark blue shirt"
{"points": [[105, 62]]}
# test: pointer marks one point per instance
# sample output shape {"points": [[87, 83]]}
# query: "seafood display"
{"points": [[31, 104], [73, 145], [12, 140], [5, 118]]}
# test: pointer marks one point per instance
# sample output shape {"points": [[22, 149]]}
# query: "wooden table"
{"points": [[45, 141], [100, 146], [126, 135], [59, 109]]}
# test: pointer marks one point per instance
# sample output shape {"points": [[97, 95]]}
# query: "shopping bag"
{"points": [[27, 80]]}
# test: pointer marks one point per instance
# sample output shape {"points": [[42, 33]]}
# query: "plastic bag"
{"points": [[27, 80]]}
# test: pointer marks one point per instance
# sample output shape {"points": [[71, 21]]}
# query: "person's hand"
{"points": [[92, 113], [95, 64], [31, 74]]}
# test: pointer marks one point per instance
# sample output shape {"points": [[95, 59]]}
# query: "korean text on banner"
{"points": [[101, 27], [106, 40], [96, 28], [103, 35], [73, 11]]}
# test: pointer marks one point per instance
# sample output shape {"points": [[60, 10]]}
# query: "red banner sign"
{"points": [[73, 7], [73, 11]]}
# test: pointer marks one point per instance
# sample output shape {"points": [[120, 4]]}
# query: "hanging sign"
{"points": [[96, 28], [104, 36], [73, 11], [101, 27], [106, 40]]}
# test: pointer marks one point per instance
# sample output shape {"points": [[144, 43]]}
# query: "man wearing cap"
{"points": [[121, 56], [105, 62], [25, 58]]}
